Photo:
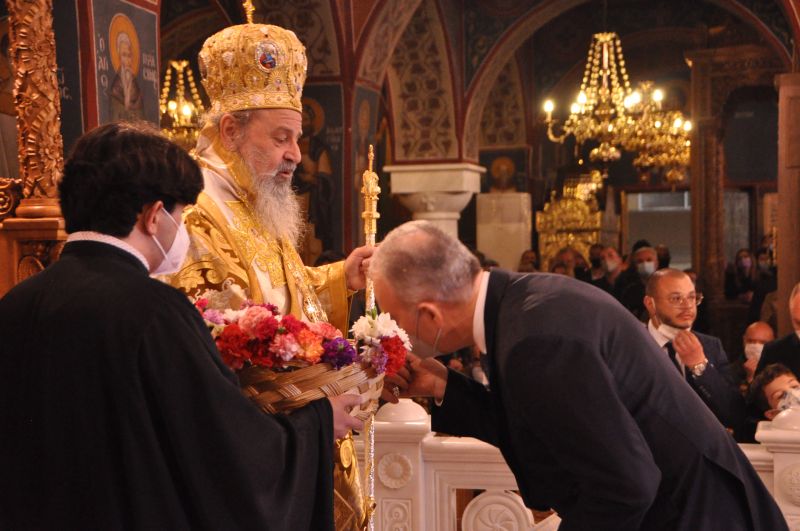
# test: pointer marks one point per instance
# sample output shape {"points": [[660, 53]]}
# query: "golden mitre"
{"points": [[253, 66]]}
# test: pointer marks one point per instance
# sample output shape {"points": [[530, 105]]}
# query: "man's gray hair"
{"points": [[242, 117], [423, 263]]}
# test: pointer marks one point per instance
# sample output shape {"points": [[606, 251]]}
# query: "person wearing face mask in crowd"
{"points": [[644, 263], [612, 266], [590, 418], [116, 409], [756, 335], [740, 277], [785, 350], [671, 302], [775, 389]]}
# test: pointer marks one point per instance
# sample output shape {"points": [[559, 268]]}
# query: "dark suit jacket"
{"points": [[785, 350], [717, 388], [595, 422]]}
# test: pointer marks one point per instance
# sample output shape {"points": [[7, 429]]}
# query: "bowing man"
{"points": [[590, 426]]}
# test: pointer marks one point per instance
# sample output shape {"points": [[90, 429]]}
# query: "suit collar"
{"points": [[498, 280]]}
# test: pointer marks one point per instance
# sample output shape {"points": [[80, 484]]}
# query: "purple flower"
{"points": [[214, 316], [338, 352], [378, 361]]}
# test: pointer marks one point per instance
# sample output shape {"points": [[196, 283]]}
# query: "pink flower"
{"points": [[326, 330], [252, 316], [285, 347]]}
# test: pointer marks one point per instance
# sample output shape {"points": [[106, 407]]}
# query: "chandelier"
{"points": [[598, 112], [608, 112], [179, 113], [659, 137]]}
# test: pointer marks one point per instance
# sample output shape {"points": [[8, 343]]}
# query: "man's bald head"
{"points": [[759, 332], [658, 277]]}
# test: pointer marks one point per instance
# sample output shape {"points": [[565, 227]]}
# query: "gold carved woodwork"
{"points": [[573, 220], [36, 255], [38, 105], [32, 239], [10, 193]]}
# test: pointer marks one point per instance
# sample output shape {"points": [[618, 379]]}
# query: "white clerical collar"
{"points": [[91, 236], [478, 327], [660, 338]]}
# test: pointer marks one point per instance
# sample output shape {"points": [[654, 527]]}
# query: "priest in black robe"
{"points": [[116, 411]]}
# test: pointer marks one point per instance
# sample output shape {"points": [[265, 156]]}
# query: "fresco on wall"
{"points": [[318, 177], [125, 38], [507, 170], [68, 73], [364, 121]]}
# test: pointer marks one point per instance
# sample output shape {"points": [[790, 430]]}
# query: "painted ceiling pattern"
{"points": [[313, 23], [503, 122], [422, 96]]}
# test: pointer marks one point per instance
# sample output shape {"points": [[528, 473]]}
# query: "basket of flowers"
{"points": [[284, 363]]}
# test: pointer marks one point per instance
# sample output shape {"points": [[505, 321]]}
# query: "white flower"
{"points": [[231, 316], [363, 328], [385, 326]]}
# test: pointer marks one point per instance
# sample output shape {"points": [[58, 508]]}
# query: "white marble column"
{"points": [[436, 192]]}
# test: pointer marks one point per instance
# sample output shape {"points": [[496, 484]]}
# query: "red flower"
{"points": [[395, 354], [262, 356], [232, 344], [293, 325], [201, 304], [266, 328]]}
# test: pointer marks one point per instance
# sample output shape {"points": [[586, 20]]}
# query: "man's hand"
{"points": [[356, 267], [343, 421], [419, 377], [689, 348]]}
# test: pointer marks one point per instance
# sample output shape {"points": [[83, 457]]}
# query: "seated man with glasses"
{"points": [[671, 302]]}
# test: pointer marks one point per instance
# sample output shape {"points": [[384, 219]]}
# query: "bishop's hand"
{"points": [[419, 377], [343, 421], [356, 267]]}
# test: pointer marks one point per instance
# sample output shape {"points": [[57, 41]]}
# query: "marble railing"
{"points": [[428, 482]]}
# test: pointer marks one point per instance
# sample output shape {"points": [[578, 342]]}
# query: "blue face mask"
{"points": [[422, 348]]}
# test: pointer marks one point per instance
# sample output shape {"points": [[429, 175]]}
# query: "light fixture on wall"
{"points": [[599, 112], [179, 112]]}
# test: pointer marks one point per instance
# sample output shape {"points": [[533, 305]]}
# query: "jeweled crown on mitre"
{"points": [[253, 66]]}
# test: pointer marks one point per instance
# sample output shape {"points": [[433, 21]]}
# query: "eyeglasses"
{"points": [[682, 300]]}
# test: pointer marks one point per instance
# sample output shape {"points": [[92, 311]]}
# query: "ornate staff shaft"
{"points": [[370, 190]]}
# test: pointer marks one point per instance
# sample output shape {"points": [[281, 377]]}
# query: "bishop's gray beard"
{"points": [[276, 205]]}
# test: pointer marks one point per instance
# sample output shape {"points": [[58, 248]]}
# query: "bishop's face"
{"points": [[269, 145]]}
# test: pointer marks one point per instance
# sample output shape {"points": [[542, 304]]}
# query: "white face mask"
{"points": [[646, 269], [421, 348], [173, 259], [611, 265], [791, 399], [670, 332], [753, 351]]}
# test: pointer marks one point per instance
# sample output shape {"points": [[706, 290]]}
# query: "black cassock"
{"points": [[116, 412]]}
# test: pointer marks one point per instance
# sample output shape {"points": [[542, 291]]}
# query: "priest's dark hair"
{"points": [[117, 169]]}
